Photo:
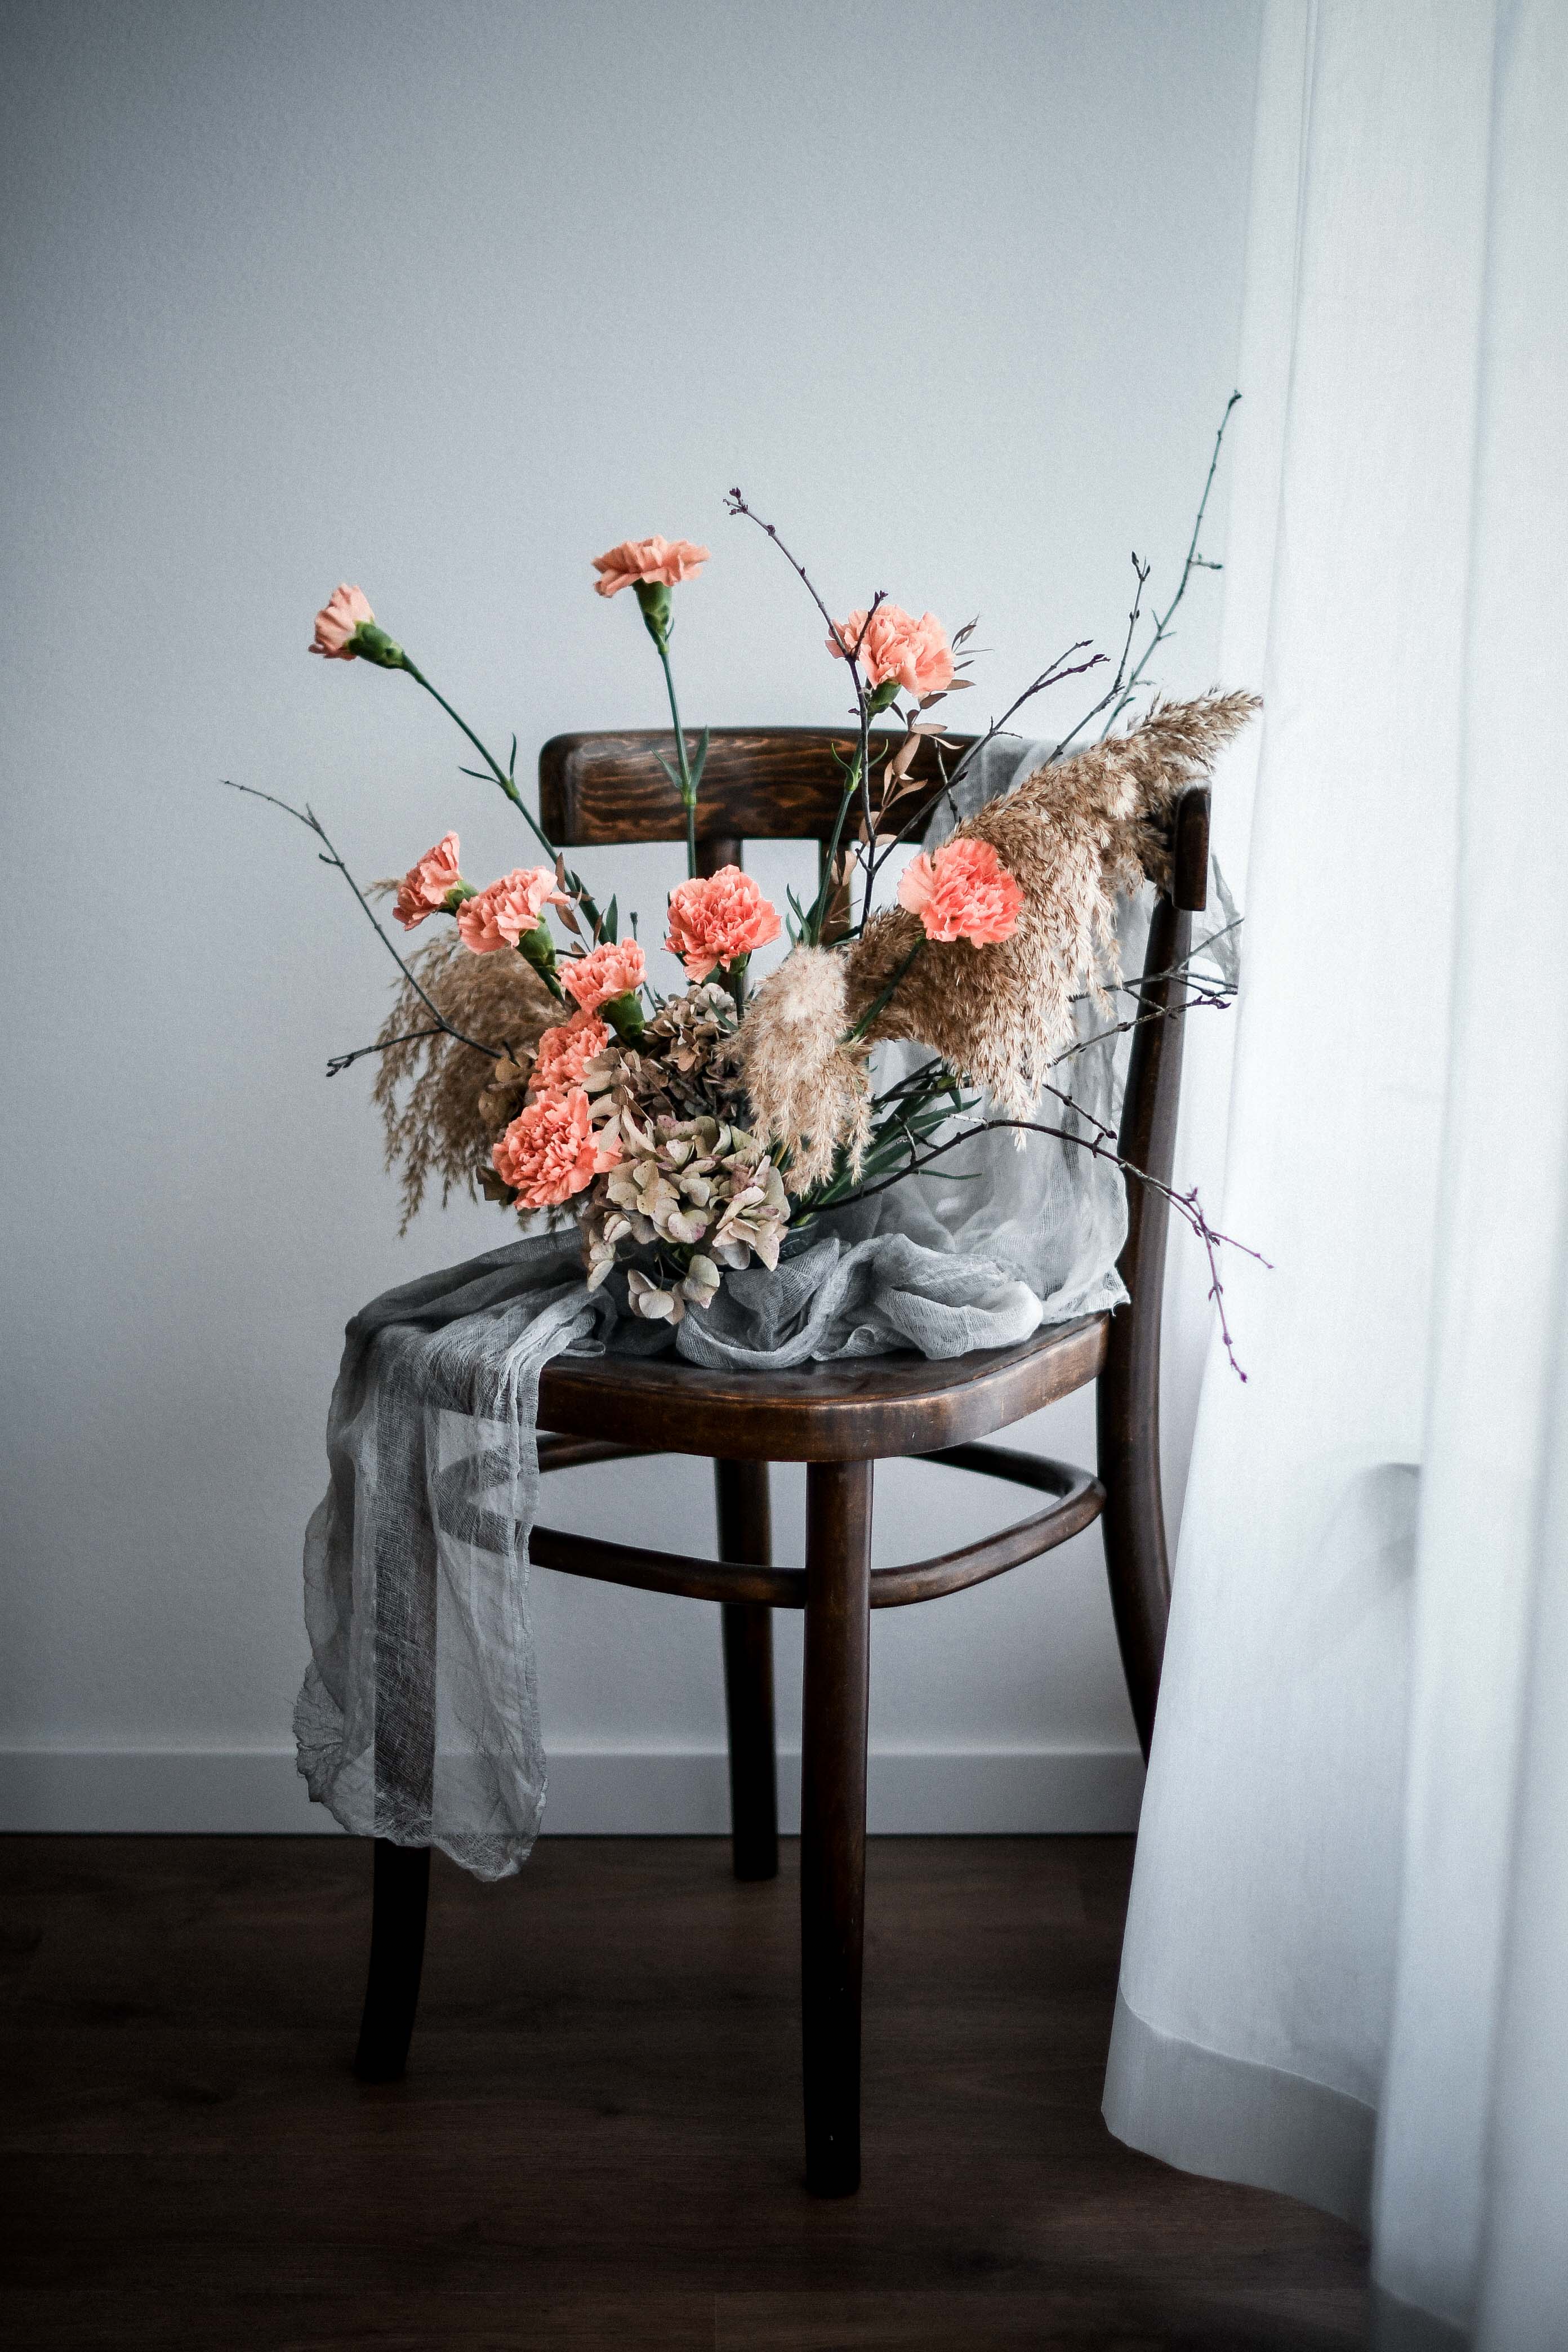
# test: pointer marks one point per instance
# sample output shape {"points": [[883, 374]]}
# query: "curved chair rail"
{"points": [[1079, 1501]]}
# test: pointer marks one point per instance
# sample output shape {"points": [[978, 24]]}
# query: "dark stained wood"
{"points": [[1080, 1502], [1190, 852], [833, 1816], [399, 1897], [717, 849], [976, 1563], [1127, 1400], [580, 1453], [597, 2148], [745, 1533], [781, 785], [867, 1409]]}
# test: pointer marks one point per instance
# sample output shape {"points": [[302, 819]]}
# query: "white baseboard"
{"points": [[594, 1793]]}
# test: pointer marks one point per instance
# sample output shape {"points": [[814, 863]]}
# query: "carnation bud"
{"points": [[373, 644], [625, 1015], [539, 949], [883, 695], [654, 597]]}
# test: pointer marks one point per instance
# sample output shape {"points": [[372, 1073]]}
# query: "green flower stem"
{"points": [[825, 892], [508, 787], [538, 949], [688, 789]]}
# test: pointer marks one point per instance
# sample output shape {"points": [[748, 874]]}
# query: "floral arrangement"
{"points": [[529, 1054]]}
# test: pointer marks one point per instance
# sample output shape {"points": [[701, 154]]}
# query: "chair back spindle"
{"points": [[1127, 1391]]}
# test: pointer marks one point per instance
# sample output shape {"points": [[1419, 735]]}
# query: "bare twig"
{"points": [[1114, 688], [1187, 1205], [382, 1045], [1195, 563], [307, 816], [736, 505]]}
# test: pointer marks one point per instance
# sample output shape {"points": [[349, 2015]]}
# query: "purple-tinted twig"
{"points": [[1187, 1205]]}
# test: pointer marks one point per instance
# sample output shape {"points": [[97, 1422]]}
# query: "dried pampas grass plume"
{"points": [[808, 1089], [1074, 834], [454, 1109]]}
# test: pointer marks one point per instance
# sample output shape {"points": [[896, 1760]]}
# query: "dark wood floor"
{"points": [[598, 2143]]}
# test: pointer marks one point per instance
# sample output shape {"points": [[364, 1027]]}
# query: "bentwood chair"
{"points": [[841, 1419]]}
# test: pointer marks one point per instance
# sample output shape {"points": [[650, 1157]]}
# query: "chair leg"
{"points": [[833, 1816], [745, 1533], [396, 1958]]}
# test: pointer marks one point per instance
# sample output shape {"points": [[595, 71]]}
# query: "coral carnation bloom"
{"points": [[914, 653], [610, 971], [964, 892], [718, 917], [566, 1051], [346, 609], [509, 910], [423, 889], [661, 561], [551, 1151]]}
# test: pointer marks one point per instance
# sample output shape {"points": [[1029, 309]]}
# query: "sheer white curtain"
{"points": [[1345, 1959]]}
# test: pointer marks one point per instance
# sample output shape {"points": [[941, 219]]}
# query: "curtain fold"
{"points": [[1352, 1889]]}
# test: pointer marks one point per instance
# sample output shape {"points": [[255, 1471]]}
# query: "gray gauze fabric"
{"points": [[419, 1716]]}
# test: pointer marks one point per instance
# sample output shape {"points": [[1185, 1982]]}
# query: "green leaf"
{"points": [[611, 918], [669, 770], [700, 761]]}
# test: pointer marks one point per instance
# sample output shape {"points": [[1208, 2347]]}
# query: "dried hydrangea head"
{"points": [[696, 1190]]}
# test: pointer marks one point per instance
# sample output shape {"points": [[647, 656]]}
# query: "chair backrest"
{"points": [[759, 784]]}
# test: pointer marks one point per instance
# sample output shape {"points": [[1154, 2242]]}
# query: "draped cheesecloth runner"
{"points": [[418, 1720]]}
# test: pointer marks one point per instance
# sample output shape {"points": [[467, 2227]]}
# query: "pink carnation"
{"points": [[895, 646], [964, 892], [346, 609], [424, 889], [566, 1051], [509, 910], [717, 918], [610, 971], [661, 561], [550, 1150]]}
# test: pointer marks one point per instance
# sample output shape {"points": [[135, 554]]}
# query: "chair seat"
{"points": [[861, 1409]]}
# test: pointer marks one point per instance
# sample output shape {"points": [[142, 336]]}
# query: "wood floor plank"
{"points": [[599, 2140]]}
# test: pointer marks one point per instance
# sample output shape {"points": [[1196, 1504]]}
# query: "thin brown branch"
{"points": [[307, 816], [385, 1045], [1187, 1205]]}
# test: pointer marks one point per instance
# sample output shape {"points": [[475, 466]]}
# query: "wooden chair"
{"points": [[840, 1420]]}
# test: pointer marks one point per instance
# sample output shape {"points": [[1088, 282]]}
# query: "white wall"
{"points": [[445, 299]]}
